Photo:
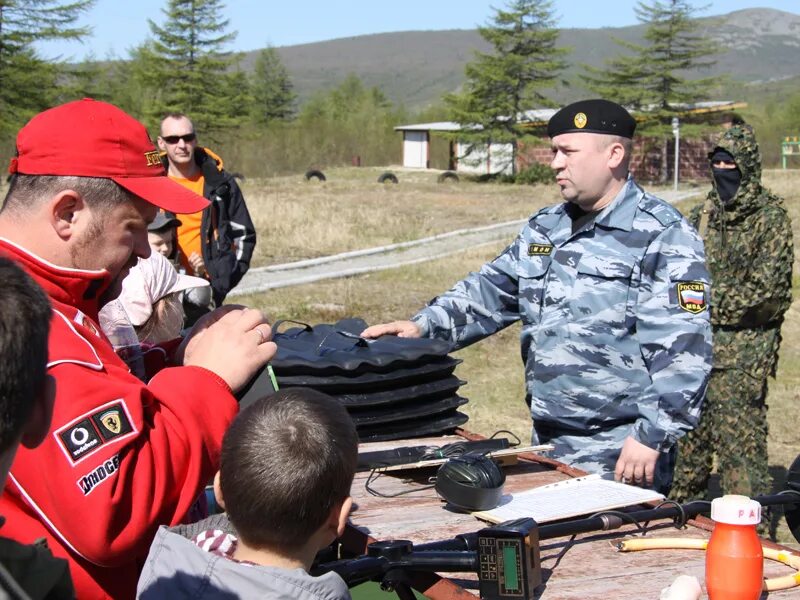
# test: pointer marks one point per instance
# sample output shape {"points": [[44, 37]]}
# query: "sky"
{"points": [[121, 25]]}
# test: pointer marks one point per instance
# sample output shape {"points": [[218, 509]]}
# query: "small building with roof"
{"points": [[652, 156]]}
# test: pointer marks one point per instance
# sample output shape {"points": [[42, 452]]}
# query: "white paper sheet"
{"points": [[569, 498]]}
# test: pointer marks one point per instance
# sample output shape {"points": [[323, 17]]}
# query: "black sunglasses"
{"points": [[174, 139]]}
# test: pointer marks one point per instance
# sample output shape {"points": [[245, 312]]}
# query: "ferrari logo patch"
{"points": [[539, 249], [112, 422], [692, 296], [153, 159], [580, 120]]}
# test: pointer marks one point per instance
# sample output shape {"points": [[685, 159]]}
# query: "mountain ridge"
{"points": [[416, 68]]}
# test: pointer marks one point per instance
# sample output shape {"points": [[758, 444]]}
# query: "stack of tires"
{"points": [[392, 387]]}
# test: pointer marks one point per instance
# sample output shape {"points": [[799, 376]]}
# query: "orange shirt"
{"points": [[189, 231]]}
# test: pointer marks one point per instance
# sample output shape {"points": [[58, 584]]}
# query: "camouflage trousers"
{"points": [[733, 426], [597, 451]]}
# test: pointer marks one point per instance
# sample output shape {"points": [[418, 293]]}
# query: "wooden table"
{"points": [[588, 566]]}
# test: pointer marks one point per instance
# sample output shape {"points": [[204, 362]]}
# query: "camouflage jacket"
{"points": [[750, 256], [615, 325]]}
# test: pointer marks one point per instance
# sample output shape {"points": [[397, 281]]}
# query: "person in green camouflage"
{"points": [[749, 252]]}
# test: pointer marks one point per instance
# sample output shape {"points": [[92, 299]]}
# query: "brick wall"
{"points": [[651, 162], [533, 153]]}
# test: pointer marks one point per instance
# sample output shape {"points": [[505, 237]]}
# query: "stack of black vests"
{"points": [[392, 387]]}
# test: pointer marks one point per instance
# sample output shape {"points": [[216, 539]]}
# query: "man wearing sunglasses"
{"points": [[218, 242]]}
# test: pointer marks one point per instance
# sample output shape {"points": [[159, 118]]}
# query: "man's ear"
{"points": [[38, 425], [218, 492], [616, 155], [162, 145], [339, 514], [66, 210]]}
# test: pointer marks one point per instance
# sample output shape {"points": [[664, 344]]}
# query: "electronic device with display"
{"points": [[506, 557], [508, 560]]}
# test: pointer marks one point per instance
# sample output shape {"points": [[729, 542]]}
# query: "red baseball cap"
{"points": [[89, 138]]}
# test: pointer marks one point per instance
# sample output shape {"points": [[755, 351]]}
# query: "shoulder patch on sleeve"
{"points": [[87, 433], [691, 296]]}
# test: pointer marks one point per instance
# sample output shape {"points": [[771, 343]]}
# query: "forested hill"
{"points": [[415, 68]]}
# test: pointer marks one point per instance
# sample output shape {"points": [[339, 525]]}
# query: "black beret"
{"points": [[592, 116]]}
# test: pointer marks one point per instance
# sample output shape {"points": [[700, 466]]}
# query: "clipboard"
{"points": [[568, 498]]}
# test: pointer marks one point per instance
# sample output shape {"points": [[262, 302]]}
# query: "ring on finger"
{"points": [[260, 336]]}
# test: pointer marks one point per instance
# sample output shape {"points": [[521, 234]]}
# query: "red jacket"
{"points": [[122, 457]]}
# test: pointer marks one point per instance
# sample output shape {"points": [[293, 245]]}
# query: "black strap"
{"points": [[276, 325]]}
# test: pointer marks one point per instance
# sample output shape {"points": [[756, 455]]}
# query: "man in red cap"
{"points": [[122, 457]]}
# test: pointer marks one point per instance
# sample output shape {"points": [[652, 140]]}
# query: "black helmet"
{"points": [[470, 482]]}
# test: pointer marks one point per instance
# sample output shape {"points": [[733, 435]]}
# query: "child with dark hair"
{"points": [[27, 394], [288, 462]]}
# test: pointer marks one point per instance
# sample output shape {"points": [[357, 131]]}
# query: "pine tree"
{"points": [[502, 85], [347, 121], [188, 68], [89, 78], [136, 84], [239, 96], [27, 80], [653, 77], [272, 89]]}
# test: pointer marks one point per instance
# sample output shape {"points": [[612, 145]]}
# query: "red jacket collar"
{"points": [[73, 287]]}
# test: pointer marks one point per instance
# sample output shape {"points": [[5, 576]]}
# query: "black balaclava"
{"points": [[726, 181]]}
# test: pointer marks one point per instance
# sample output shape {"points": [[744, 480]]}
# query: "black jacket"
{"points": [[227, 232]]}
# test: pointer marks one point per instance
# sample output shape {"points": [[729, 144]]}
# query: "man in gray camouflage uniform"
{"points": [[612, 289]]}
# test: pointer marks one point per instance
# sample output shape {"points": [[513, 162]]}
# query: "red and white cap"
{"points": [[89, 138], [735, 510]]}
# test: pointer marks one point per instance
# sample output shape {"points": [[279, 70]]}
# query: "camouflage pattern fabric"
{"points": [[605, 446], [734, 427], [750, 255], [615, 337]]}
